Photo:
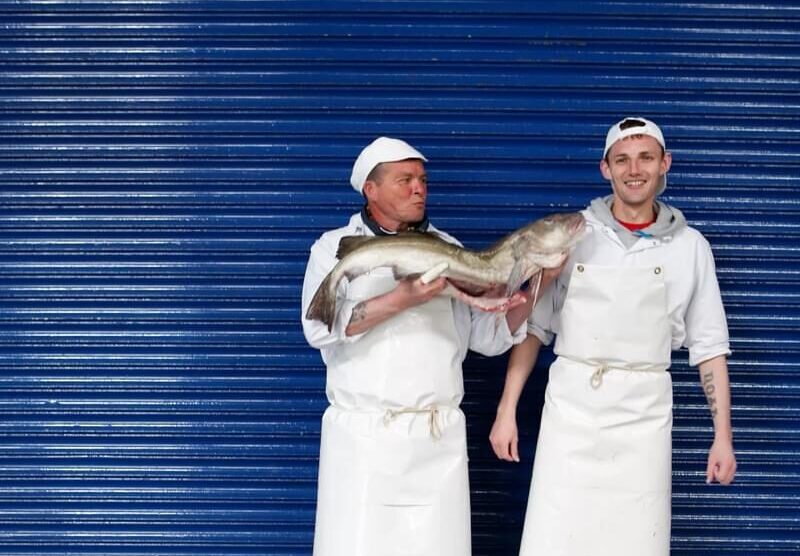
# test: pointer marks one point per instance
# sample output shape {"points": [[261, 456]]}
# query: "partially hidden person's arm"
{"points": [[716, 385], [539, 284], [488, 338], [504, 436], [408, 293]]}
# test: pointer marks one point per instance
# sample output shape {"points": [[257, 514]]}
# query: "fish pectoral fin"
{"points": [[516, 277]]}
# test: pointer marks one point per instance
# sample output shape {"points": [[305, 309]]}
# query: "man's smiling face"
{"points": [[635, 165]]}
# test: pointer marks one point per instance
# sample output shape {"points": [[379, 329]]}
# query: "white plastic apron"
{"points": [[393, 461], [602, 468]]}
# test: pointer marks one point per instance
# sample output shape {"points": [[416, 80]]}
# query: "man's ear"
{"points": [[605, 170], [369, 189], [666, 162]]}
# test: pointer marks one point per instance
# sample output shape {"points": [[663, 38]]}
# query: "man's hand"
{"points": [[505, 438], [411, 292], [721, 463]]}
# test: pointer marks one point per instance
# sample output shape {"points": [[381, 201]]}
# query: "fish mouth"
{"points": [[575, 230], [578, 227]]}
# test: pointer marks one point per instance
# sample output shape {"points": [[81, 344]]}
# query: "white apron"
{"points": [[602, 470], [393, 458]]}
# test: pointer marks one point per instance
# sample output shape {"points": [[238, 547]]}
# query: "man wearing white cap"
{"points": [[640, 284], [393, 459]]}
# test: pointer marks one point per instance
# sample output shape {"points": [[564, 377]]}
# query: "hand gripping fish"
{"points": [[472, 276]]}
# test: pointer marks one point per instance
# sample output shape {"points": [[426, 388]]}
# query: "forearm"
{"points": [[517, 316], [716, 385], [520, 365], [372, 312], [408, 293]]}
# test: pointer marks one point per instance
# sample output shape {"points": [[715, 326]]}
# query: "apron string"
{"points": [[597, 376], [433, 421]]}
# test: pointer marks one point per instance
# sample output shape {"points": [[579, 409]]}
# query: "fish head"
{"points": [[553, 234], [545, 243]]}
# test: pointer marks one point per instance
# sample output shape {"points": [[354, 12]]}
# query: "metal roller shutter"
{"points": [[164, 167]]}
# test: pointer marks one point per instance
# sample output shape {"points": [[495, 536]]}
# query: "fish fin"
{"points": [[437, 235], [349, 243], [323, 304], [516, 277], [430, 234]]}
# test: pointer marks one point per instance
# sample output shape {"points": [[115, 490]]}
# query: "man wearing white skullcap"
{"points": [[393, 460], [640, 284]]}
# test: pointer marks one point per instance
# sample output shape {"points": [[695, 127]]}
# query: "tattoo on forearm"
{"points": [[708, 388], [359, 313]]}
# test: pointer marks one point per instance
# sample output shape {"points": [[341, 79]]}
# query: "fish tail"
{"points": [[323, 304]]}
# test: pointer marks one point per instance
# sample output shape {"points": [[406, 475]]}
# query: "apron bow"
{"points": [[433, 418]]}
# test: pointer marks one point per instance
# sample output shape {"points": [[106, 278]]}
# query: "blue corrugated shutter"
{"points": [[165, 166]]}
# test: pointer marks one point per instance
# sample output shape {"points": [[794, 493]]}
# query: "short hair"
{"points": [[376, 174], [631, 122]]}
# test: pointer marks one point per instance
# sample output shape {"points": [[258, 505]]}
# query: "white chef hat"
{"points": [[636, 126], [382, 149]]}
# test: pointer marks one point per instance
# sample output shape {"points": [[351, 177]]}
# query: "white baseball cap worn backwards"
{"points": [[382, 149], [636, 126]]}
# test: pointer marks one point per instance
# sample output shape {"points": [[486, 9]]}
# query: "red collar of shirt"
{"points": [[633, 227]]}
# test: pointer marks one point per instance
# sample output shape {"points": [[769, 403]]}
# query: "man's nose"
{"points": [[418, 187]]}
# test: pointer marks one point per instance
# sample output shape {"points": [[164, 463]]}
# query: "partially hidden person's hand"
{"points": [[516, 300], [721, 463], [503, 304], [504, 438]]}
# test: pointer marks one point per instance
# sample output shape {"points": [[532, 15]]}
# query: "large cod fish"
{"points": [[472, 276]]}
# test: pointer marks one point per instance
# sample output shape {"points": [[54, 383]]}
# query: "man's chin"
{"points": [[415, 216]]}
